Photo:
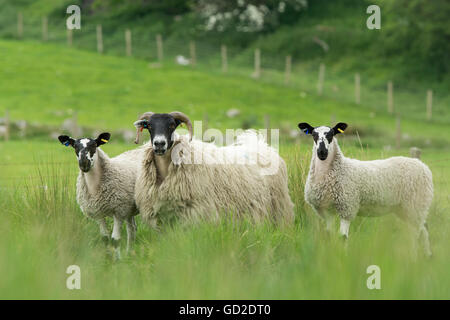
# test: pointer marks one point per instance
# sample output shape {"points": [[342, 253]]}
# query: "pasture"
{"points": [[43, 231]]}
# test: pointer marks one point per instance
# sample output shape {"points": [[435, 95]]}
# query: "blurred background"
{"points": [[231, 64]]}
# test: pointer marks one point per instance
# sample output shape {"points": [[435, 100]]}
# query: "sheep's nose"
{"points": [[160, 144]]}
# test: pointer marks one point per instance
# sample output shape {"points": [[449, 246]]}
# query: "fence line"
{"points": [[199, 53]]}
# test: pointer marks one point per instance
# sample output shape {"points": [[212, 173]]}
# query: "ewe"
{"points": [[369, 188], [105, 186], [191, 180]]}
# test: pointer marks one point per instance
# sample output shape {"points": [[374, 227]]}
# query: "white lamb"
{"points": [[352, 187], [105, 186]]}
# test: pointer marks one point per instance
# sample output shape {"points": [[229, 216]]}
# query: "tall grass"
{"points": [[43, 232]]}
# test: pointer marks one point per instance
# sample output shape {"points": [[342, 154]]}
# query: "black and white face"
{"points": [[161, 127], [85, 149], [323, 137]]}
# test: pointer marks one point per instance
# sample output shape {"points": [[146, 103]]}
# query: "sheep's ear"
{"points": [[305, 127], [141, 124], [340, 128], [66, 140], [103, 138]]}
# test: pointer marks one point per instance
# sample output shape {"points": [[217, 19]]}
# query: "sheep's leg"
{"points": [[326, 217], [116, 235], [344, 228], [423, 233], [103, 230], [419, 230], [131, 232]]}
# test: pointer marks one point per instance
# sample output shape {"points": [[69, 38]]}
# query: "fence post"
{"points": [[399, 132], [357, 88], [7, 125], [20, 25], [257, 72], [267, 125], [321, 79], [205, 122], [128, 42], [99, 39], [223, 53], [415, 152], [429, 104], [44, 28], [192, 53], [159, 48], [390, 97], [287, 76], [69, 37], [333, 119]]}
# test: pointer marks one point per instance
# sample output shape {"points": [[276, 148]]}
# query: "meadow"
{"points": [[43, 231]]}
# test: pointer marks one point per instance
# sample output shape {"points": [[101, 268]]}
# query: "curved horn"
{"points": [[145, 116], [183, 118]]}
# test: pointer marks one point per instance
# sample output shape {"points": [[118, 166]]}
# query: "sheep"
{"points": [[172, 184], [366, 188], [105, 186]]}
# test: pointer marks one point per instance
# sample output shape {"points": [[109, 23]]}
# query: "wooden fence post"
{"points": [[390, 97], [287, 76], [99, 39], [205, 122], [321, 79], [69, 37], [399, 132], [429, 104], [415, 152], [20, 25], [257, 72], [267, 125], [159, 48], [44, 28], [333, 119], [128, 42], [357, 88], [223, 53], [7, 125], [192, 53]]}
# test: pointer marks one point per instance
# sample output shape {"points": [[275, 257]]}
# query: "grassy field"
{"points": [[43, 231]]}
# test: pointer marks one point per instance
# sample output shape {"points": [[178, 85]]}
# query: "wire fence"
{"points": [[377, 96]]}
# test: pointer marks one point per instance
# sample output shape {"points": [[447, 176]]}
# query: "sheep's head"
{"points": [[161, 127], [85, 148], [323, 136]]}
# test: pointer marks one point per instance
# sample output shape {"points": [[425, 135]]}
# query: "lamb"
{"points": [[351, 187], [105, 186], [172, 184]]}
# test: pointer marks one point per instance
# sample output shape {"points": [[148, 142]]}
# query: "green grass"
{"points": [[43, 231], [45, 83]]}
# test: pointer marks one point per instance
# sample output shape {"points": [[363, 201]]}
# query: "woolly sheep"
{"points": [[366, 188], [171, 183], [105, 186]]}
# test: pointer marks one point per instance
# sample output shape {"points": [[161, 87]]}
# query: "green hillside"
{"points": [[44, 83]]}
